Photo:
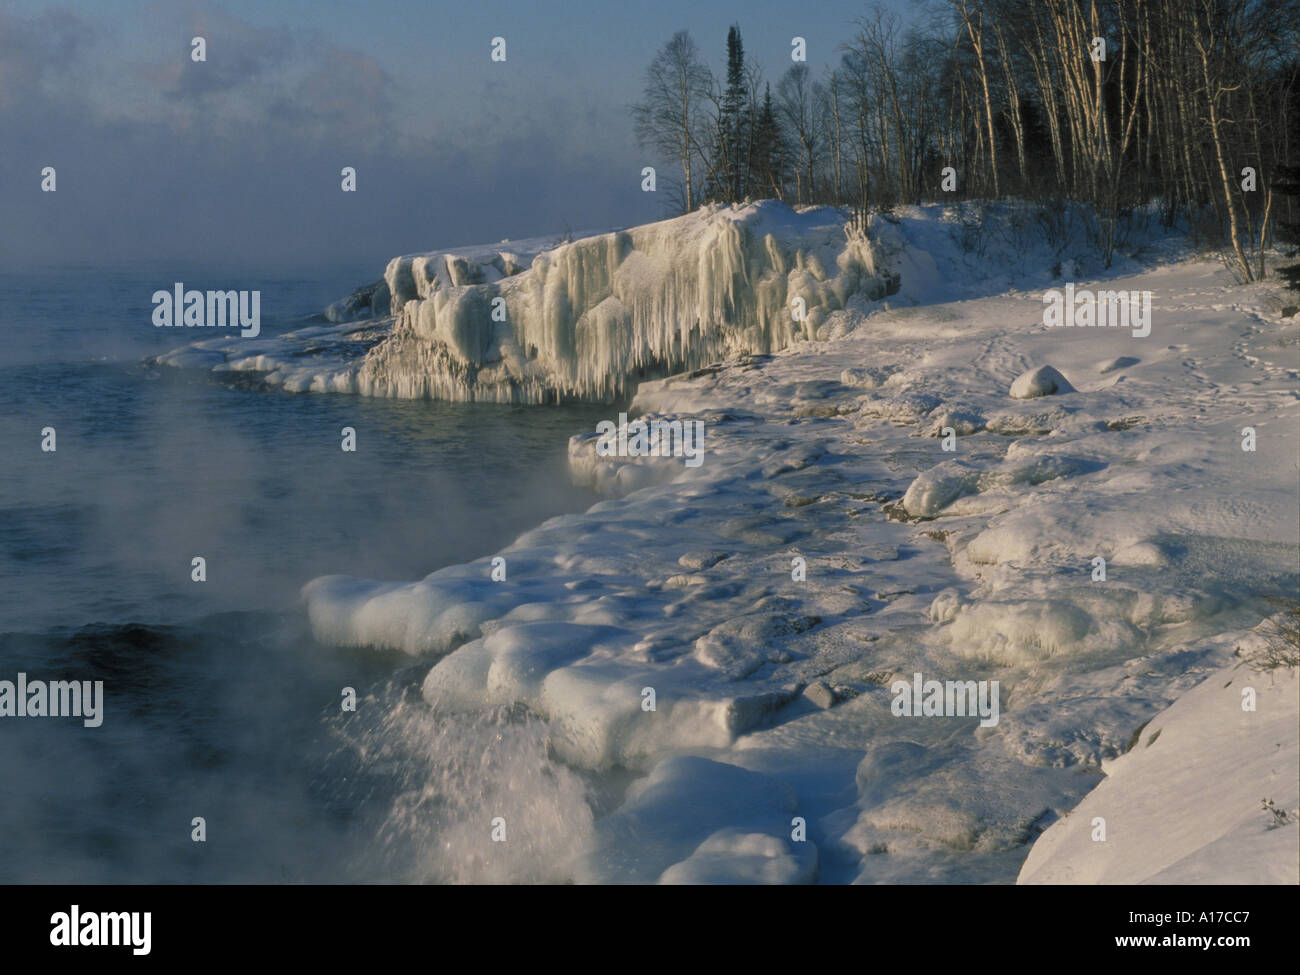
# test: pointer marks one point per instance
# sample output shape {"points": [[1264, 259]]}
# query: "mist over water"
{"points": [[218, 702]]}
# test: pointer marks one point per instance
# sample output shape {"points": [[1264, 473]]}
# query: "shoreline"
{"points": [[693, 596], [905, 493]]}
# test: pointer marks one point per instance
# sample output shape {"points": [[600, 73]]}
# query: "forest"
{"points": [[1184, 110]]}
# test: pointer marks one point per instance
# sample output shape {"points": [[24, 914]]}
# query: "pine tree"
{"points": [[1287, 182], [730, 156], [767, 163]]}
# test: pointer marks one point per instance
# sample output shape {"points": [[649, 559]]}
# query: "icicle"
{"points": [[588, 316]]}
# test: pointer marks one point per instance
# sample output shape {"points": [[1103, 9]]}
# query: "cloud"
{"points": [[238, 158], [36, 53]]}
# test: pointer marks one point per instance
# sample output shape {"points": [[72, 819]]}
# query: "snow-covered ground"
{"points": [[1186, 804], [766, 601]]}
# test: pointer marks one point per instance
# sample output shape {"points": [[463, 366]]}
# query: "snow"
{"points": [[1184, 804], [824, 444]]}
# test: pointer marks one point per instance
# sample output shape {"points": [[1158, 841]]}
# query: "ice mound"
{"points": [[1043, 381], [935, 489], [587, 317], [693, 820], [432, 616], [731, 856], [963, 422], [588, 682], [940, 486]]}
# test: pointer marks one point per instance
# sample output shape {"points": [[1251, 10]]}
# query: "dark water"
{"points": [[218, 702]]}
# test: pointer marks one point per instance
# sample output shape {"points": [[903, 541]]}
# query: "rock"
{"points": [[368, 301], [1043, 381], [820, 695], [963, 422], [702, 559]]}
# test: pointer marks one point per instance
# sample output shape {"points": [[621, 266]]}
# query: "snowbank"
{"points": [[1184, 804]]}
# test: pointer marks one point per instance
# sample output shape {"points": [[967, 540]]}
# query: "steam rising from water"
{"points": [[454, 778]]}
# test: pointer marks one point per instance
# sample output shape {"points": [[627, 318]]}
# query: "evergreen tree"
{"points": [[730, 157], [1287, 182], [767, 162]]}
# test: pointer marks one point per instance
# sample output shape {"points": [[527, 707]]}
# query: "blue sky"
{"points": [[238, 158]]}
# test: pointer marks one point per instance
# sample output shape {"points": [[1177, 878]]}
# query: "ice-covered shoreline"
{"points": [[771, 680], [540, 321]]}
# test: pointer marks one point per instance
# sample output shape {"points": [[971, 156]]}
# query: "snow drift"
{"points": [[1161, 827]]}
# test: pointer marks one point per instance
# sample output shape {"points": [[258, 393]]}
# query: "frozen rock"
{"points": [[962, 422], [1043, 381], [590, 315], [369, 301], [701, 816], [938, 487], [820, 695], [867, 377], [732, 856]]}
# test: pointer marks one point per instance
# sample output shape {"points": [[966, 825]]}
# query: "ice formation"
{"points": [[539, 321], [773, 689], [590, 315]]}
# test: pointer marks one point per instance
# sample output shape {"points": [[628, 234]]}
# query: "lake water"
{"points": [[218, 702]]}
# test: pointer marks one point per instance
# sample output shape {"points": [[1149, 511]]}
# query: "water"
{"points": [[219, 704]]}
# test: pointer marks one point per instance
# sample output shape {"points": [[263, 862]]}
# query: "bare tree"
{"points": [[667, 119], [795, 107], [972, 19], [1107, 103]]}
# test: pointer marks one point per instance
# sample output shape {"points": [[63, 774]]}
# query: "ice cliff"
{"points": [[585, 317]]}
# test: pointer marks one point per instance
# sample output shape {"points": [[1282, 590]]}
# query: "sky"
{"points": [[237, 159]]}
